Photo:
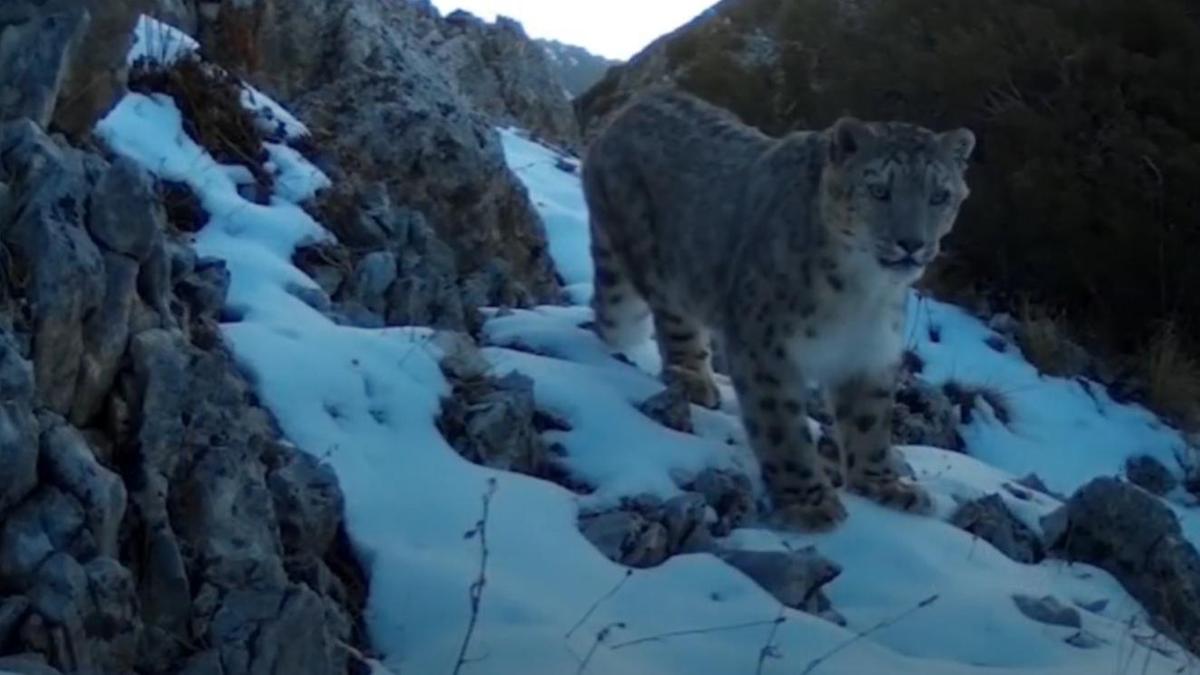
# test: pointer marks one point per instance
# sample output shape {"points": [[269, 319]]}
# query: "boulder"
{"points": [[1132, 535]]}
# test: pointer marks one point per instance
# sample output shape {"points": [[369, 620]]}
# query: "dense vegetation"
{"points": [[1085, 185]]}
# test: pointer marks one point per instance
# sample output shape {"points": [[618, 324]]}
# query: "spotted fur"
{"points": [[797, 251]]}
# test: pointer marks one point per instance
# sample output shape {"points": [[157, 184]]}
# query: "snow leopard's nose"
{"points": [[910, 246]]}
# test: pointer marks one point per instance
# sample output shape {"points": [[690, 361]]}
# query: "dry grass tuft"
{"points": [[210, 101], [1170, 374], [1046, 340]]}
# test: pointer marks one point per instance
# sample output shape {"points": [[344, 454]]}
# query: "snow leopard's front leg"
{"points": [[864, 406], [770, 389]]}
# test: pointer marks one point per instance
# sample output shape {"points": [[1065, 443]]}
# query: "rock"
{"points": [[795, 578], [989, 519], [204, 663], [1149, 474], [49, 239], [1048, 610], [18, 427], [1084, 640], [373, 276], [68, 463], [276, 633], [26, 664], [308, 504], [1129, 533], [105, 338], [925, 415], [48, 522], [12, 611], [645, 531], [59, 601], [95, 77], [39, 41], [627, 537], [670, 408], [425, 292], [113, 624], [125, 215], [492, 422], [684, 518], [729, 494], [1035, 482], [461, 360]]}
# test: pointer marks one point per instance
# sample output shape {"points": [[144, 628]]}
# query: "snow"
{"points": [[365, 402], [157, 42]]}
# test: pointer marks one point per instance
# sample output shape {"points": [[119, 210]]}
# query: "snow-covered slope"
{"points": [[365, 402]]}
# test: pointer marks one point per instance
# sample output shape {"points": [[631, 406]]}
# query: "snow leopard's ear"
{"points": [[958, 144], [847, 138]]}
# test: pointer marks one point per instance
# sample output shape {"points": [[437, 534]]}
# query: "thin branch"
{"points": [[812, 665], [595, 605], [476, 591], [601, 638], [769, 650], [694, 631]]}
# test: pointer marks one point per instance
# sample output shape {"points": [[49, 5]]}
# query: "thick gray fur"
{"points": [[798, 251]]}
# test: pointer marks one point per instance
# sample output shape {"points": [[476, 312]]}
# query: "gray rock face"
{"points": [[366, 75], [64, 60], [508, 76], [37, 41], [150, 519], [989, 519], [1136, 538], [65, 278]]}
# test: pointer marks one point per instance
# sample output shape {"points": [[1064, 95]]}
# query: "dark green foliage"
{"points": [[1086, 181]]}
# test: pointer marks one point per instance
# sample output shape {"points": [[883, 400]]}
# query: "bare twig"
{"points": [[815, 663], [694, 631], [601, 638], [769, 649], [595, 605], [476, 591]]}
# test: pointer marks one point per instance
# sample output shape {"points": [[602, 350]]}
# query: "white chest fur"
{"points": [[858, 334]]}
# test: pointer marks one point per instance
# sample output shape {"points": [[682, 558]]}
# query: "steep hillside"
{"points": [[577, 68], [1087, 131]]}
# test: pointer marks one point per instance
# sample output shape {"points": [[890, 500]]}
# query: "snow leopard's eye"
{"points": [[939, 197], [880, 191]]}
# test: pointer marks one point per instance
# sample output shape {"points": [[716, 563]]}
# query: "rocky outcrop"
{"points": [[365, 75], [1132, 535], [508, 76], [151, 520]]}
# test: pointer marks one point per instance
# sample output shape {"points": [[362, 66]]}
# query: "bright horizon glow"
{"points": [[617, 29]]}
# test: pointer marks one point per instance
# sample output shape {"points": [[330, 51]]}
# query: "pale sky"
{"points": [[614, 28]]}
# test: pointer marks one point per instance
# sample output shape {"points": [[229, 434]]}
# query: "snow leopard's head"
{"points": [[892, 190]]}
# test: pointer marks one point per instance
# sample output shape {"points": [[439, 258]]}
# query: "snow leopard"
{"points": [[797, 252]]}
